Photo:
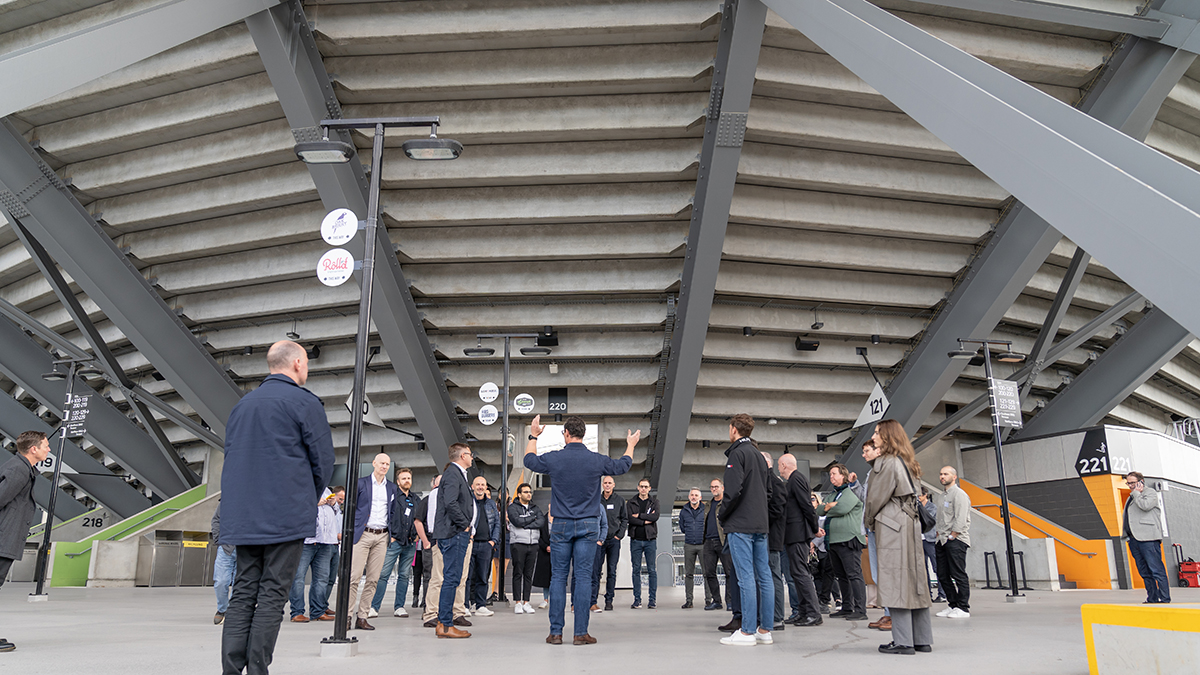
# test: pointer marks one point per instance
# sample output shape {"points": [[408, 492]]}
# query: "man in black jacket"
{"points": [[452, 529], [802, 527], [17, 508], [776, 551], [744, 516], [643, 514], [609, 551]]}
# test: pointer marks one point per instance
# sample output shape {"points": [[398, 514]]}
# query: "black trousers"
{"points": [[608, 554], [481, 573], [952, 574], [806, 589], [260, 589], [847, 565], [709, 558], [524, 559]]}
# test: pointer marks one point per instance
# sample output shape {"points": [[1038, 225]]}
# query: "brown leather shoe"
{"points": [[451, 632], [432, 623], [885, 623], [299, 618], [461, 621], [553, 639], [330, 612], [595, 608], [362, 624], [324, 617], [585, 639], [875, 624]]}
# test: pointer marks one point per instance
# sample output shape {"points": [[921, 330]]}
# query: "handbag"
{"points": [[928, 522]]}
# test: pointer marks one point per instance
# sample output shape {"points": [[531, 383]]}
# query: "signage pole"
{"points": [[1014, 591], [504, 474], [43, 556]]}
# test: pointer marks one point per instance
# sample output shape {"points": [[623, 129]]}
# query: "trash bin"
{"points": [[192, 567], [159, 554]]}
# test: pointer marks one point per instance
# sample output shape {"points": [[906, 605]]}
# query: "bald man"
{"points": [[953, 540], [372, 512], [278, 460]]}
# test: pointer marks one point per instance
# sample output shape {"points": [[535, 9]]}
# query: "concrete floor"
{"points": [[160, 630]]}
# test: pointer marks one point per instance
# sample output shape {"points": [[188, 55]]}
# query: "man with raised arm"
{"points": [[575, 474]]}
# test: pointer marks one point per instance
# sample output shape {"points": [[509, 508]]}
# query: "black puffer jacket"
{"points": [[744, 508]]}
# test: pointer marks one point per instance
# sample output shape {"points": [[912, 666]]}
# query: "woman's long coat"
{"points": [[890, 512]]}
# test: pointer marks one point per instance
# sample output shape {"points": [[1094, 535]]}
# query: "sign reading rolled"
{"points": [[335, 267]]}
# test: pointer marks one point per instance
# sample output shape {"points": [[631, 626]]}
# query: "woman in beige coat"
{"points": [[891, 513]]}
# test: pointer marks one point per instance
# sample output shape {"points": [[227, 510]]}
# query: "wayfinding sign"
{"points": [[78, 407], [1006, 402], [874, 409]]}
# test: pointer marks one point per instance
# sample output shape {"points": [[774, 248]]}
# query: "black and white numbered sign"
{"points": [[78, 408]]}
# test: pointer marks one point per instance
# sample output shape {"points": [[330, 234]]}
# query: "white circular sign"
{"points": [[489, 392], [335, 267], [339, 226], [488, 415], [523, 404]]}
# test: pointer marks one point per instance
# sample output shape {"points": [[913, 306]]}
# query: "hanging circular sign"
{"points": [[335, 267], [488, 415], [523, 404], [489, 392], [339, 226]]}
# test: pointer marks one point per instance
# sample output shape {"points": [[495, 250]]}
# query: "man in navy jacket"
{"points": [[691, 524], [452, 529], [278, 458], [372, 512]]}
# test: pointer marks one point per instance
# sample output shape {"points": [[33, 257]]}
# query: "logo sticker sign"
{"points": [[523, 404], [489, 392], [335, 267], [339, 226], [488, 415]]}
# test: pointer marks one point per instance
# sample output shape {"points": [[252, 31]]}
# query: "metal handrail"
{"points": [[1051, 536], [135, 525]]}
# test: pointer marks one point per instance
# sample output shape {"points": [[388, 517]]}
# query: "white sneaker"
{"points": [[544, 605], [957, 613], [529, 608], [468, 610], [739, 639], [371, 613], [400, 612], [484, 611], [763, 638], [945, 612]]}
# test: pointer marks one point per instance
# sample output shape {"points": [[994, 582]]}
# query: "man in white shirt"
{"points": [[376, 495]]}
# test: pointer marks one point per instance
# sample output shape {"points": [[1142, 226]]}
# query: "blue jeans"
{"points": [[1147, 555], [401, 556], [873, 561], [752, 561], [454, 549], [572, 539], [317, 557], [637, 549], [223, 571]]}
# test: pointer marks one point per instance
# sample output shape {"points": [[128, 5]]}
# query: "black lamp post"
{"points": [[339, 152], [480, 350], [56, 375], [1007, 356]]}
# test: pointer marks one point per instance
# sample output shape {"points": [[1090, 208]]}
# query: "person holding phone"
{"points": [[1143, 531]]}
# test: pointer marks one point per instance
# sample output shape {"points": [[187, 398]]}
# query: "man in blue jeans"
{"points": [[402, 548], [1143, 531], [224, 567], [575, 514], [318, 551], [744, 518], [642, 512], [452, 529]]}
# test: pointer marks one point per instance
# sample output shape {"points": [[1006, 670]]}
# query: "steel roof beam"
{"points": [[48, 68], [103, 355], [86, 473], [1141, 26], [738, 46], [1121, 369], [289, 53], [23, 361], [986, 115], [32, 193]]}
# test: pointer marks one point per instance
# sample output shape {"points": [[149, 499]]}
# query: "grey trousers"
{"points": [[777, 561], [692, 554], [911, 627]]}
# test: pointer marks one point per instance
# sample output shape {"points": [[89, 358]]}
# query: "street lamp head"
{"points": [[962, 354], [535, 351], [54, 376], [90, 371], [432, 148], [325, 152], [1010, 357]]}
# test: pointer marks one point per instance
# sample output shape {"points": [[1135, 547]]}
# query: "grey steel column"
{"points": [[724, 129], [1135, 356], [93, 477], [1127, 96], [294, 65], [51, 67], [103, 355], [31, 192]]}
